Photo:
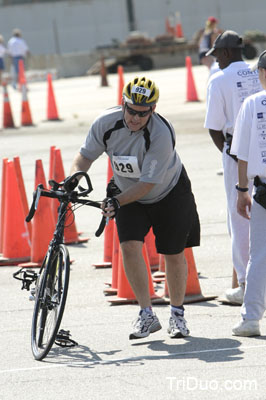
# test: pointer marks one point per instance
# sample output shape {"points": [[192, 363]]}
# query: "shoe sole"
{"points": [[246, 334], [239, 303], [155, 328], [178, 335]]}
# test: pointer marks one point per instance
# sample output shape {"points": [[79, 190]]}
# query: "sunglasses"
{"points": [[141, 114]]}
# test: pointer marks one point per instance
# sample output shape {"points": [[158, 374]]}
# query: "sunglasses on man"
{"points": [[140, 114]]}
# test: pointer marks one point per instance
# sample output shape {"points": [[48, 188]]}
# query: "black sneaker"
{"points": [[145, 324], [177, 326]]}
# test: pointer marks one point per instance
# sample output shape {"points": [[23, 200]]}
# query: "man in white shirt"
{"points": [[249, 144], [18, 50], [227, 89]]}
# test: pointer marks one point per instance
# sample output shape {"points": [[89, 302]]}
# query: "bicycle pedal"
{"points": [[62, 339]]}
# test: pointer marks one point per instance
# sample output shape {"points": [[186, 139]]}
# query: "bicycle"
{"points": [[51, 283]]}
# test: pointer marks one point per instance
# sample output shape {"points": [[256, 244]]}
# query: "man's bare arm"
{"points": [[217, 138], [80, 163]]}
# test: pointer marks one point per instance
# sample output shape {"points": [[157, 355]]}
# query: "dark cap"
{"points": [[261, 62], [226, 40]]}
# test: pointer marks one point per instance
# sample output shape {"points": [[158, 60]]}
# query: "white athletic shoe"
{"points": [[236, 295], [247, 327], [177, 326], [145, 324]]}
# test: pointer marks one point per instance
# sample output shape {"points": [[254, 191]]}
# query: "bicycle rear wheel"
{"points": [[50, 301]]}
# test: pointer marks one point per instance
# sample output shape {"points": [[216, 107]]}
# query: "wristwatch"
{"points": [[240, 189]]}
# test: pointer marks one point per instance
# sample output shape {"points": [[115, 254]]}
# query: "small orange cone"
{"points": [[193, 291], [193, 285], [191, 88], [115, 261], [159, 275], [108, 232], [54, 202], [43, 225], [51, 162], [168, 27], [26, 119], [8, 121], [152, 252], [22, 192], [121, 83], [21, 74], [103, 73], [16, 247], [70, 234], [179, 30], [3, 201], [52, 114]]}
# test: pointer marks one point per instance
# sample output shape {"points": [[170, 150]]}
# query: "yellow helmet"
{"points": [[141, 92]]}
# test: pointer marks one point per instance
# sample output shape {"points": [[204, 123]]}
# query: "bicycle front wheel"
{"points": [[50, 301]]}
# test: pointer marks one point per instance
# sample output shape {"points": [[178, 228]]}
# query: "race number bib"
{"points": [[126, 166]]}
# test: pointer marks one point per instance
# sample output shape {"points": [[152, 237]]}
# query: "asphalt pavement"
{"points": [[210, 363]]}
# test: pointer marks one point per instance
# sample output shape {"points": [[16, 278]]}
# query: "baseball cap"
{"points": [[226, 40], [261, 63], [212, 19]]}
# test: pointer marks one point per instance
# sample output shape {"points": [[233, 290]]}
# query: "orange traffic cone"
{"points": [[51, 162], [54, 202], [108, 232], [193, 285], [22, 192], [8, 121], [3, 200], [26, 119], [191, 88], [115, 260], [193, 291], [52, 114], [120, 71], [168, 27], [179, 31], [70, 234], [16, 247], [152, 252], [21, 74], [103, 73], [159, 275], [43, 222]]}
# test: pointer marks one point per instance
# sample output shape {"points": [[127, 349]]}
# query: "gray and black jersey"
{"points": [[147, 155]]}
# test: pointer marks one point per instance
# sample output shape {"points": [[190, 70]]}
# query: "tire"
{"points": [[51, 294]]}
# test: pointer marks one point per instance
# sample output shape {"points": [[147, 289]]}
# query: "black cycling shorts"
{"points": [[174, 220]]}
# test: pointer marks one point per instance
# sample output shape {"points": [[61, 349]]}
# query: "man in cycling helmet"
{"points": [[153, 190]]}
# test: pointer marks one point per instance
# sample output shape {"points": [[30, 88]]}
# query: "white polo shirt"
{"points": [[17, 47], [249, 140], [226, 91]]}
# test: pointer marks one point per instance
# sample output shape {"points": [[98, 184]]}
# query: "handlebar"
{"points": [[62, 192]]}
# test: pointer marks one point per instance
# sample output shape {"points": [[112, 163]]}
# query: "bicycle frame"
{"points": [[53, 279]]}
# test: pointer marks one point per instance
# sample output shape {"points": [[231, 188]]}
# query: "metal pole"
{"points": [[131, 15]]}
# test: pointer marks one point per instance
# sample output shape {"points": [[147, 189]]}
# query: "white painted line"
{"points": [[121, 360]]}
